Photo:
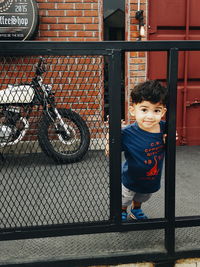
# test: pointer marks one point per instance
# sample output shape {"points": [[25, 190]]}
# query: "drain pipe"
{"points": [[184, 134]]}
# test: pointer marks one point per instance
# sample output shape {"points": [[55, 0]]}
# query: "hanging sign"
{"points": [[18, 19]]}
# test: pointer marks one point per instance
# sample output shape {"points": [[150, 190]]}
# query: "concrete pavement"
{"points": [[34, 191]]}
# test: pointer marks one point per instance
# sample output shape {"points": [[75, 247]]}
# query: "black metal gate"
{"points": [[81, 202]]}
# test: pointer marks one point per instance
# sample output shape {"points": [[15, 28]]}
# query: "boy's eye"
{"points": [[143, 109], [157, 111]]}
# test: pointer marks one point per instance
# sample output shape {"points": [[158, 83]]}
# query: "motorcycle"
{"points": [[62, 133]]}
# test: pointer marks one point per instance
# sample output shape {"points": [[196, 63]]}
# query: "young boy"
{"points": [[143, 146]]}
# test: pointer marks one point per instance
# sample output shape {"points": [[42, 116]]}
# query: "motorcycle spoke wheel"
{"points": [[65, 143]]}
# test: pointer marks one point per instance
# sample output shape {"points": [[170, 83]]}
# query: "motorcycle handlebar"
{"points": [[41, 68], [40, 61]]}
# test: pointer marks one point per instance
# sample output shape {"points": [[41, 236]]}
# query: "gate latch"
{"points": [[193, 103]]}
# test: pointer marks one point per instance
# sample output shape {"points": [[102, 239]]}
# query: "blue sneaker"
{"points": [[137, 214], [124, 216]]}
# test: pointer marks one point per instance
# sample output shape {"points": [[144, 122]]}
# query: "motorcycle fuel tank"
{"points": [[17, 94]]}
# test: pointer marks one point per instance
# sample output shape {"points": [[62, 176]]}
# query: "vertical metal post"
{"points": [[170, 162], [114, 83]]}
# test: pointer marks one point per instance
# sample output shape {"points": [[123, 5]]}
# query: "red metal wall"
{"points": [[178, 20]]}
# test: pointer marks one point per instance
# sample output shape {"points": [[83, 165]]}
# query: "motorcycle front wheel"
{"points": [[64, 144]]}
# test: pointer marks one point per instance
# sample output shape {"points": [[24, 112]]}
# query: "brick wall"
{"points": [[81, 87], [71, 20], [82, 20], [77, 80]]}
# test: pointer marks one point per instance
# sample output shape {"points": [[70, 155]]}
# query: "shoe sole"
{"points": [[131, 216]]}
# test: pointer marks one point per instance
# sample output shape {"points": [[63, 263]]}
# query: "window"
{"points": [[114, 30], [114, 20]]}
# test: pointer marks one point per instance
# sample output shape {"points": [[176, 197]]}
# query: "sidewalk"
{"points": [[180, 263], [107, 244]]}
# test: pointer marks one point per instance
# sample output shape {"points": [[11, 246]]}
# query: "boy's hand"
{"points": [[165, 136], [107, 145], [176, 135], [123, 124]]}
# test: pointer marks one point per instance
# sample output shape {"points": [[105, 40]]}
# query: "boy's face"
{"points": [[148, 115]]}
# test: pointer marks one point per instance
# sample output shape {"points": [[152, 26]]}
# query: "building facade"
{"points": [[84, 88]]}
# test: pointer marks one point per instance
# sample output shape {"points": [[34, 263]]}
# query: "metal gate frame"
{"points": [[114, 51]]}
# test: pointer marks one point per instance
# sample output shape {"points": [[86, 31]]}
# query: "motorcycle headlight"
{"points": [[48, 87]]}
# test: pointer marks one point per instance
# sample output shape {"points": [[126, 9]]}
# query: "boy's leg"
{"points": [[127, 197], [136, 211], [136, 204]]}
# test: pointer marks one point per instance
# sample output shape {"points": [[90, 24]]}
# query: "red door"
{"points": [[178, 20]]}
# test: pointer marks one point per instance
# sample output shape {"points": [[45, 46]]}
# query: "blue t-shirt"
{"points": [[144, 154]]}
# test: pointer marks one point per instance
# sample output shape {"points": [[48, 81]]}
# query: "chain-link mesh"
{"points": [[187, 181], [44, 179], [51, 182], [187, 238]]}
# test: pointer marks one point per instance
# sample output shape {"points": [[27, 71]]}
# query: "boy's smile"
{"points": [[148, 115]]}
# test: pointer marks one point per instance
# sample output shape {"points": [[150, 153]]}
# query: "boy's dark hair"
{"points": [[151, 91]]}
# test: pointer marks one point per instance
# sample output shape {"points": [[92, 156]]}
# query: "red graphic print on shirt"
{"points": [[154, 170]]}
